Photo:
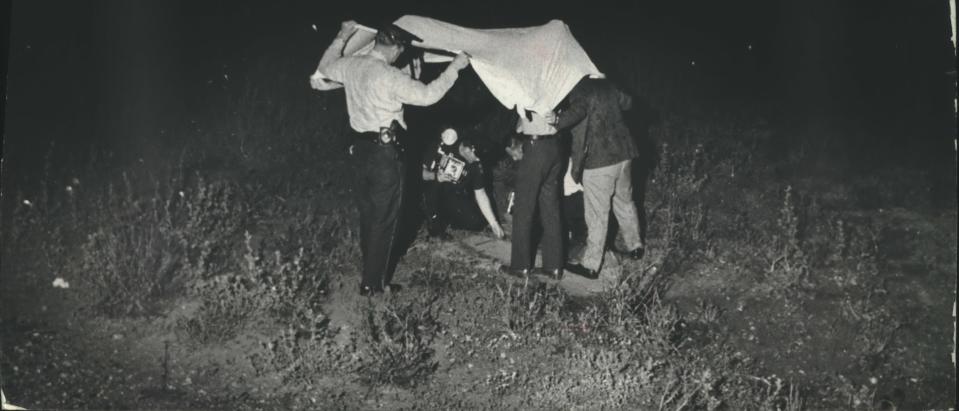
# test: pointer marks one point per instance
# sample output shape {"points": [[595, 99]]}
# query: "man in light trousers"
{"points": [[602, 154]]}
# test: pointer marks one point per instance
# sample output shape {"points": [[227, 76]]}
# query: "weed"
{"points": [[787, 259], [289, 289], [210, 213], [303, 352], [397, 343], [130, 260], [532, 309], [227, 305], [775, 394]]}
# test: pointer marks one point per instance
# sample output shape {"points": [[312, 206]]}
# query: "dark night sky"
{"points": [[98, 70]]}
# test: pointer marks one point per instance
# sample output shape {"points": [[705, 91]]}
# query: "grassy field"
{"points": [[221, 274]]}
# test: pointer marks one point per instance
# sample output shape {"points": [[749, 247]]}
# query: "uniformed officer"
{"points": [[454, 188], [537, 193], [375, 94]]}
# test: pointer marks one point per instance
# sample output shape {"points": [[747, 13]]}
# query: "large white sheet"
{"points": [[531, 68]]}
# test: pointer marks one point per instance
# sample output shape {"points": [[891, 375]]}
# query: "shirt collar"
{"points": [[377, 55]]}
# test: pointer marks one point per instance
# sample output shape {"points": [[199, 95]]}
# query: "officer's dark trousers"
{"points": [[379, 174], [538, 187], [445, 207]]}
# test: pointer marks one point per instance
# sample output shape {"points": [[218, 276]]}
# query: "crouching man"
{"points": [[454, 188]]}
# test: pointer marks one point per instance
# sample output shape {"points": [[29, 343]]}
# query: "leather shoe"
{"points": [[554, 274], [505, 269], [393, 288], [637, 254], [582, 271]]}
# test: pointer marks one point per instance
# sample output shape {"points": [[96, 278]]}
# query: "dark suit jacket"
{"points": [[600, 135]]}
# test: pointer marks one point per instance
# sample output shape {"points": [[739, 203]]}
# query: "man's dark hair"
{"points": [[391, 35], [477, 146]]}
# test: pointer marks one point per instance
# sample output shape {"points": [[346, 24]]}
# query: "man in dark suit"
{"points": [[602, 153]]}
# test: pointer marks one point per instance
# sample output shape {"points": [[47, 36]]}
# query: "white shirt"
{"points": [[535, 127], [376, 91]]}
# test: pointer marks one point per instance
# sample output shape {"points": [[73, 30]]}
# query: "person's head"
{"points": [[468, 150], [391, 41]]}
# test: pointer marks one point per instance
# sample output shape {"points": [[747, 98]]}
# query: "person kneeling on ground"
{"points": [[454, 188]]}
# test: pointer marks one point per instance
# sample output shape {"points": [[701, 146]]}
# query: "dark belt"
{"points": [[538, 138], [386, 136]]}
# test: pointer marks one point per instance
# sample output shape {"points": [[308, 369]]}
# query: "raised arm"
{"points": [[335, 50], [321, 79], [413, 92]]}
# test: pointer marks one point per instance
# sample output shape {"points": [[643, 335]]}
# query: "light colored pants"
{"points": [[603, 188]]}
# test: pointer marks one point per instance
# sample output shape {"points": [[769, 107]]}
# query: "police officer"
{"points": [[454, 188], [375, 94], [538, 192]]}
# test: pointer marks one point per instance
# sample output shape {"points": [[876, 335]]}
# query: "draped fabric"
{"points": [[531, 68]]}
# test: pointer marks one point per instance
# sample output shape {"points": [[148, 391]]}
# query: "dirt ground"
{"points": [[57, 358]]}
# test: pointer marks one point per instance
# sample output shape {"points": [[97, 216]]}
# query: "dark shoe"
{"points": [[582, 271], [393, 288], [554, 274], [370, 291], [505, 269], [637, 254]]}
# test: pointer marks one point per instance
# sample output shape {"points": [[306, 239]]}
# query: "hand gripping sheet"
{"points": [[530, 68]]}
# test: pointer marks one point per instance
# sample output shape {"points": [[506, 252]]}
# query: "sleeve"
{"points": [[477, 178], [578, 151], [430, 157], [336, 70], [572, 115], [331, 63], [413, 92]]}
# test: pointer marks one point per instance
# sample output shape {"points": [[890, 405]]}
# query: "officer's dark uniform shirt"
{"points": [[473, 176]]}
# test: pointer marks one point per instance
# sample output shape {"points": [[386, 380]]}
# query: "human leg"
{"points": [[432, 204], [464, 214], [598, 186], [524, 208], [573, 217], [549, 206], [624, 208], [379, 208]]}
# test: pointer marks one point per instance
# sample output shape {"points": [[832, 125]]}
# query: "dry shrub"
{"points": [[396, 342]]}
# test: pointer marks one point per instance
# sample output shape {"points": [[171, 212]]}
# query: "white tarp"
{"points": [[4, 405], [531, 68]]}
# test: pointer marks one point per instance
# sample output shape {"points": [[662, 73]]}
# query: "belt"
{"points": [[384, 137], [539, 138]]}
